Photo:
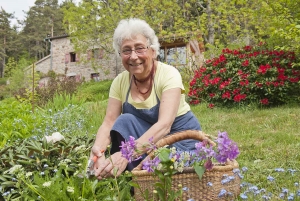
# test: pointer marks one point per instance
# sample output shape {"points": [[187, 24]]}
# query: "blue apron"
{"points": [[135, 122]]}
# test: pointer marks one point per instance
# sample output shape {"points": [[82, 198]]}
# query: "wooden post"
{"points": [[32, 101]]}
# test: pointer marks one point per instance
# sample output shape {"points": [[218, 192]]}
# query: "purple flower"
{"points": [[149, 164], [128, 148], [204, 150], [208, 164], [227, 149], [244, 196]]}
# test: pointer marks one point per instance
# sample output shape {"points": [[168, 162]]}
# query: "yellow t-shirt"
{"points": [[166, 77]]}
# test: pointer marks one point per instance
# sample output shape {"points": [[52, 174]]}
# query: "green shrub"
{"points": [[16, 120], [2, 81], [253, 74], [35, 155], [56, 86], [94, 91]]}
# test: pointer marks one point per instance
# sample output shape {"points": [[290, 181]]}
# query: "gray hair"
{"points": [[128, 28]]}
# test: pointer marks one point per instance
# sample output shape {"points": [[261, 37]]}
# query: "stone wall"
{"points": [[108, 66]]}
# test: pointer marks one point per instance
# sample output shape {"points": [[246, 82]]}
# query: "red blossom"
{"points": [[264, 101], [226, 95], [222, 70], [212, 95], [245, 63], [211, 105], [239, 97], [294, 79], [193, 82], [194, 102], [248, 48], [258, 84]]}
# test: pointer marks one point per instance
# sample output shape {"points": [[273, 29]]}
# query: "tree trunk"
{"points": [[210, 25]]}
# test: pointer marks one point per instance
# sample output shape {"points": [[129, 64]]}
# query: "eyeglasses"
{"points": [[139, 51]]}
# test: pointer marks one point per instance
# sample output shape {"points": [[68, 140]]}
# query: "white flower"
{"points": [[70, 189], [15, 169], [79, 148], [28, 174], [47, 184], [54, 137]]}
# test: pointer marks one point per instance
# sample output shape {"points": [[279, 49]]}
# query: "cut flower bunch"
{"points": [[202, 158], [253, 74], [170, 174]]}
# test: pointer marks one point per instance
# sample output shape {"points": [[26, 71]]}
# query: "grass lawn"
{"points": [[267, 139]]}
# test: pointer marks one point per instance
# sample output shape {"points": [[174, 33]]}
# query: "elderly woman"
{"points": [[145, 101]]}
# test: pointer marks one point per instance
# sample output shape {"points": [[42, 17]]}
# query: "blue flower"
{"points": [[270, 178], [291, 197], [279, 169], [244, 169], [209, 184], [285, 190], [222, 193], [296, 184], [185, 188], [244, 196]]}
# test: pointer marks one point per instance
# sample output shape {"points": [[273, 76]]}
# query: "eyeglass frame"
{"points": [[135, 50]]}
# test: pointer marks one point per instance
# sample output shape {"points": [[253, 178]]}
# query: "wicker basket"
{"points": [[197, 189]]}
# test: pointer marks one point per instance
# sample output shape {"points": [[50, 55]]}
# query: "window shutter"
{"points": [[77, 56], [101, 53], [89, 54], [67, 58]]}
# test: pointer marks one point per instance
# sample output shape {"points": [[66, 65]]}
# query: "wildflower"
{"points": [[150, 164], [42, 173], [285, 190], [281, 195], [47, 184], [15, 169], [227, 149], [244, 196], [222, 193], [298, 193], [185, 189], [236, 171], [209, 184], [70, 189], [279, 169], [292, 171], [270, 178], [46, 165], [190, 199], [296, 184], [244, 169], [128, 148], [291, 197]]}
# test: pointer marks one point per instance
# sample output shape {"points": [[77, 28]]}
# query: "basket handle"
{"points": [[176, 137]]}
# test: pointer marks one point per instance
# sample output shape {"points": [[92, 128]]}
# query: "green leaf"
{"points": [[164, 155], [199, 170]]}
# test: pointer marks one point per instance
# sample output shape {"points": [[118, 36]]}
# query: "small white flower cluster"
{"points": [[47, 184], [70, 189], [55, 137], [15, 169]]}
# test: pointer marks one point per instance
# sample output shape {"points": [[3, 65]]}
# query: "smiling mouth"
{"points": [[135, 65]]}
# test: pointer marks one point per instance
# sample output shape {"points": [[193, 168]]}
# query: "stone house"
{"points": [[99, 65]]}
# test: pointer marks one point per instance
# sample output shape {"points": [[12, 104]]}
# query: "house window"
{"points": [[72, 57], [95, 77], [173, 55]]}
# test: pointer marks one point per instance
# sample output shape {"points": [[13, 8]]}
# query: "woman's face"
{"points": [[137, 63]]}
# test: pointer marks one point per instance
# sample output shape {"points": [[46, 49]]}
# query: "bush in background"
{"points": [[94, 91], [253, 74]]}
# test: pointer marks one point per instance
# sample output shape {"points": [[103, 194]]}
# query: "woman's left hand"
{"points": [[112, 166]]}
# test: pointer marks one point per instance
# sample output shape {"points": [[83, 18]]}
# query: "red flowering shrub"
{"points": [[252, 74]]}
